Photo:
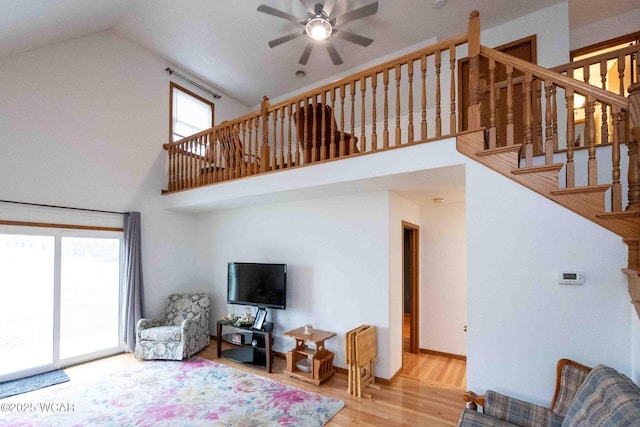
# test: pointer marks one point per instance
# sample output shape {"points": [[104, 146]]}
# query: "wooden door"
{"points": [[524, 49]]}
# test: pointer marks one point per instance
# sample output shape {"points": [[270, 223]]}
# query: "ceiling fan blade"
{"points": [[364, 11], [333, 53], [280, 14], [305, 54], [353, 38], [283, 39], [307, 4]]}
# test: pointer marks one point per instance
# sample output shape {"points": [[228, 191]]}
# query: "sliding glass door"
{"points": [[60, 298], [26, 304]]}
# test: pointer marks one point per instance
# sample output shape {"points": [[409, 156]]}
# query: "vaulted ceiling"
{"points": [[225, 43]]}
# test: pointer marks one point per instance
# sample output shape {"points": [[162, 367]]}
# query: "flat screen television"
{"points": [[257, 284]]}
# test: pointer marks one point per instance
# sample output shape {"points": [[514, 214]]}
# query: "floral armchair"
{"points": [[182, 329]]}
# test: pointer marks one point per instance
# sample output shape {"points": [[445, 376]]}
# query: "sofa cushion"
{"points": [[518, 411], [471, 418], [162, 333], [606, 398]]}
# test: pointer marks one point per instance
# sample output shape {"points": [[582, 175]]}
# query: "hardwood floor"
{"points": [[425, 395]]}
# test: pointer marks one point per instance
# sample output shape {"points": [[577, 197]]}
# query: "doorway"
{"points": [[411, 294]]}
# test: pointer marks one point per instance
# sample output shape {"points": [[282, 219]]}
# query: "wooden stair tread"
{"points": [[582, 190], [555, 167], [620, 215], [499, 150]]}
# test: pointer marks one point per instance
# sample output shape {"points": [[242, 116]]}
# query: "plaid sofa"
{"points": [[599, 397]]}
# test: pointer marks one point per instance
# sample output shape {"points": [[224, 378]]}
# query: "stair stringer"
{"points": [[585, 201]]}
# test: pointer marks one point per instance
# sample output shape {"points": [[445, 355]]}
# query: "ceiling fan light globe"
{"points": [[318, 29]]}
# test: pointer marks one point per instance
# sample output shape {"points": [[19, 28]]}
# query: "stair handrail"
{"points": [[556, 78], [596, 59]]}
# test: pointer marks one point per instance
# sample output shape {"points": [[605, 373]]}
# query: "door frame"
{"points": [[414, 285]]}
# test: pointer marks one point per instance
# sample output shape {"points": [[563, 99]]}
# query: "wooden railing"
{"points": [[554, 85], [407, 100]]}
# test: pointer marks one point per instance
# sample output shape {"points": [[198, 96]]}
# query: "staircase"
{"points": [[515, 159]]}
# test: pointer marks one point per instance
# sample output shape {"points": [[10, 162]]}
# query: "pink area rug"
{"points": [[197, 392]]}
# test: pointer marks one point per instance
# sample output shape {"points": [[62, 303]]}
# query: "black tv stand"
{"points": [[259, 354]]}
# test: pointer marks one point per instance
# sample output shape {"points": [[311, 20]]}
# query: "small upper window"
{"points": [[190, 113]]}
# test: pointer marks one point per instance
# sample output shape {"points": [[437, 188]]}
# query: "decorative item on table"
{"points": [[242, 322], [308, 329], [304, 364], [237, 339], [261, 315]]}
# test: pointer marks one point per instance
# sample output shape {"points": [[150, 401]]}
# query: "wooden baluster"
{"points": [[528, 136], [264, 149], [616, 187], [170, 184], [410, 65], [247, 141], [246, 145], [374, 115], [212, 157], [453, 122], [474, 109], [190, 162], [604, 126], [588, 123], [498, 117], [343, 91], [332, 145], [621, 65], [236, 152], [363, 117], [323, 124], [256, 144], [217, 170], [492, 104], [282, 141], [510, 134], [352, 143], [548, 126], [538, 146], [289, 135], [385, 131], [398, 137], [423, 122], [198, 160], [592, 163], [306, 122], [314, 130], [438, 96], [632, 144], [554, 118]]}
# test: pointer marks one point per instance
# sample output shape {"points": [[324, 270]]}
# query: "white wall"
{"points": [[443, 284], [521, 321], [400, 210], [607, 29], [336, 250], [82, 124], [551, 25], [635, 344]]}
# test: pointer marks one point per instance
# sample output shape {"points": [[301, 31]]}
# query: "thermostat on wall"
{"points": [[571, 278]]}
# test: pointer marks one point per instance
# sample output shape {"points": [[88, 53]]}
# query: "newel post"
{"points": [[265, 155], [473, 111], [632, 145]]}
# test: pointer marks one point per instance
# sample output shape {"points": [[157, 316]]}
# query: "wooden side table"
{"points": [[321, 368]]}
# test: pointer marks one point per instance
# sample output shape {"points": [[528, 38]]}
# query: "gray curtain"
{"points": [[131, 309]]}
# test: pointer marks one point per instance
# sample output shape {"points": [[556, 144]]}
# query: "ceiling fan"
{"points": [[320, 26]]}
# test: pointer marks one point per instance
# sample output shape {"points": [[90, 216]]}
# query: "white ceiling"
{"points": [[225, 42]]}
